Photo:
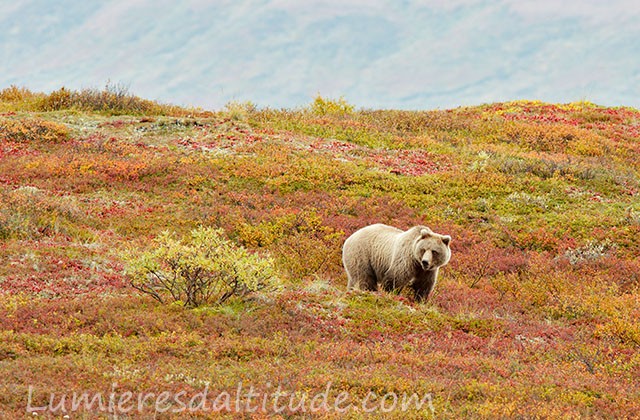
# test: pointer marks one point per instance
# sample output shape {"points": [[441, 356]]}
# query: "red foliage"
{"points": [[411, 162], [50, 274], [484, 259], [414, 162], [12, 149]]}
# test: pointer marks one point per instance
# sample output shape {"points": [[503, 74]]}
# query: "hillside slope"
{"points": [[535, 316]]}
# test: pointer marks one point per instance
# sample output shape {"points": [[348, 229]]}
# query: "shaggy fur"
{"points": [[381, 255]]}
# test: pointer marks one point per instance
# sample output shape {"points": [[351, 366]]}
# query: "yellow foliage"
{"points": [[556, 138], [27, 130], [325, 106], [621, 329], [59, 99], [15, 94]]}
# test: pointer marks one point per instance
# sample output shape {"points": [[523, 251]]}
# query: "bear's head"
{"points": [[431, 249]]}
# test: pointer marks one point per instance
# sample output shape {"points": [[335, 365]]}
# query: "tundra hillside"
{"points": [[536, 315]]}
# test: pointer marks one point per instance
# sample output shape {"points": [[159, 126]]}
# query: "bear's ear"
{"points": [[425, 233], [446, 239]]}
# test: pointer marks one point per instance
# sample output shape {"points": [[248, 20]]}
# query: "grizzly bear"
{"points": [[381, 255]]}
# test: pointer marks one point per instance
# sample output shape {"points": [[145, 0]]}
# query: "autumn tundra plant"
{"points": [[326, 106], [32, 130], [202, 268], [114, 99]]}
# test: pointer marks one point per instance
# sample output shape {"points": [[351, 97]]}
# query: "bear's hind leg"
{"points": [[366, 283], [363, 279], [370, 283]]}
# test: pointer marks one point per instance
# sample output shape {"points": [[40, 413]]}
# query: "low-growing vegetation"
{"points": [[231, 224], [113, 99]]}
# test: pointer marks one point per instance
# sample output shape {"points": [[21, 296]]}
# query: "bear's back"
{"points": [[378, 233], [373, 244]]}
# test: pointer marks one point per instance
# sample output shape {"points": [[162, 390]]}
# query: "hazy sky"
{"points": [[280, 53]]}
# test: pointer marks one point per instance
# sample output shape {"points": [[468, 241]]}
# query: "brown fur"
{"points": [[381, 255]]}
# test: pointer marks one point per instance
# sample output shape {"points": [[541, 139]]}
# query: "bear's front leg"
{"points": [[423, 284], [390, 282], [389, 285]]}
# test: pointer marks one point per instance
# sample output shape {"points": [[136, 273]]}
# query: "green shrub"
{"points": [[204, 268]]}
